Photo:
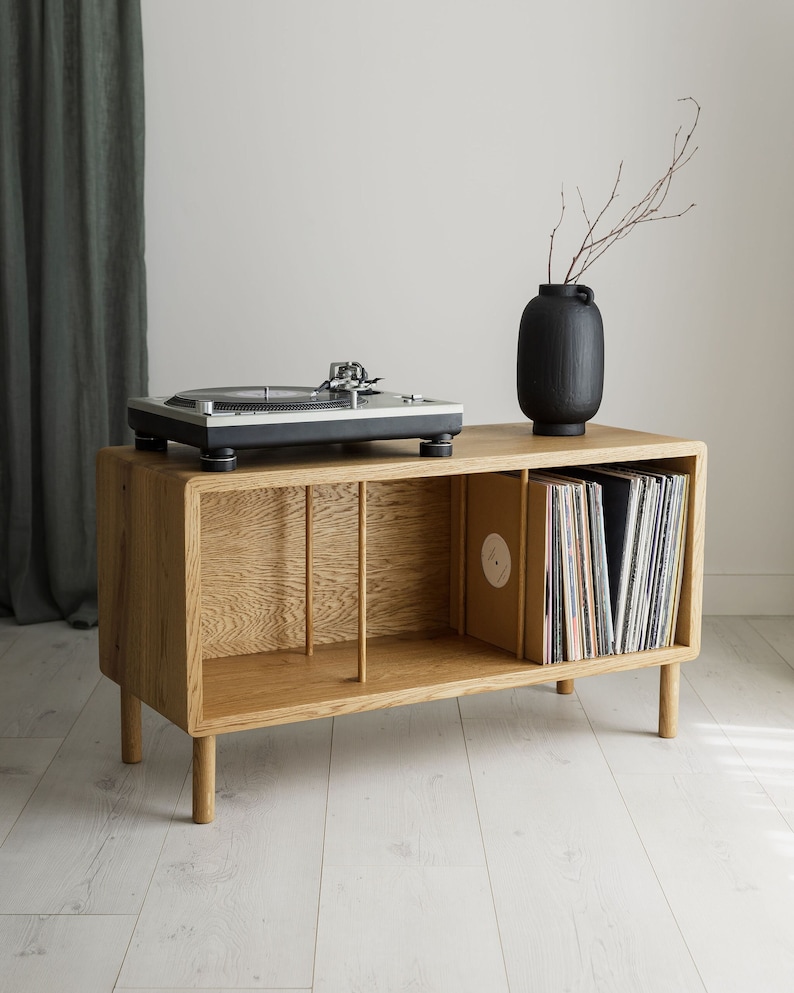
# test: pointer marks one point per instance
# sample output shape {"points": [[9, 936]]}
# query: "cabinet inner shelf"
{"points": [[281, 687]]}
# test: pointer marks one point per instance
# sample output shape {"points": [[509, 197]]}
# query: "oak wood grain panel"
{"points": [[458, 518], [479, 448], [253, 593], [335, 562], [114, 471], [252, 570], [256, 690], [147, 577], [309, 570], [690, 614], [408, 554], [178, 544], [361, 584], [407, 558]]}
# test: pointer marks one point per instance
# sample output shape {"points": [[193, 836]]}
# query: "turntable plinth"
{"points": [[320, 581]]}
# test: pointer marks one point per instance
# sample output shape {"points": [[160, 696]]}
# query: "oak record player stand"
{"points": [[311, 583]]}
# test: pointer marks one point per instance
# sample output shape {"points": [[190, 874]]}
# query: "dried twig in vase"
{"points": [[647, 209]]}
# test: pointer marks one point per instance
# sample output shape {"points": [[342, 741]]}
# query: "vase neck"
{"points": [[567, 290], [561, 289]]}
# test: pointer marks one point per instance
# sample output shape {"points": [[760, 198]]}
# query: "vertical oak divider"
{"points": [[463, 493], [522, 563], [362, 582], [310, 570]]}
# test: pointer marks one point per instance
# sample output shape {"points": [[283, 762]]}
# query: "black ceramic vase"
{"points": [[560, 359]]}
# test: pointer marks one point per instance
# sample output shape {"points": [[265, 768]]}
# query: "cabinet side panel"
{"points": [[143, 642], [112, 516], [688, 625]]}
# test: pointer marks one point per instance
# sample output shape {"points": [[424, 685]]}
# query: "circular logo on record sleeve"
{"points": [[495, 558]]}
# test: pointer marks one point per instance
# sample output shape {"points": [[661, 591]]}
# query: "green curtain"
{"points": [[72, 286]]}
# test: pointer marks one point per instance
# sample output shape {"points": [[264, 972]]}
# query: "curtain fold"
{"points": [[72, 286]]}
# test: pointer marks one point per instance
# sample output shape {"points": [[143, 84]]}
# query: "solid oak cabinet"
{"points": [[328, 580]]}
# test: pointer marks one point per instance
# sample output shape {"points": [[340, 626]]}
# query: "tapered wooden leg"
{"points": [[669, 686], [565, 686], [131, 738], [204, 779]]}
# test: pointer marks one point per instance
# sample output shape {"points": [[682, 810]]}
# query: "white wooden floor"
{"points": [[518, 841]]}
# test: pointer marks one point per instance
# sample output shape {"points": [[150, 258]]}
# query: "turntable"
{"points": [[346, 407]]}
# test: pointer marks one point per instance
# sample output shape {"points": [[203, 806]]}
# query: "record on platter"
{"points": [[258, 398]]}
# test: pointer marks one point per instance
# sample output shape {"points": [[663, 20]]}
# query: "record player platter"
{"points": [[346, 407]]}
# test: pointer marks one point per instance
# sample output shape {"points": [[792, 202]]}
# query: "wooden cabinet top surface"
{"points": [[478, 448]]}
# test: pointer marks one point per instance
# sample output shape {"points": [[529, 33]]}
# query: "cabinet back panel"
{"points": [[253, 564], [408, 549], [252, 570]]}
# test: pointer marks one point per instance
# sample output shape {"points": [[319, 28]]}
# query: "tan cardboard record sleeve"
{"points": [[494, 508]]}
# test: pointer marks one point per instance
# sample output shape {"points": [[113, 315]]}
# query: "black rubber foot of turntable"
{"points": [[436, 448], [218, 459], [150, 443]]}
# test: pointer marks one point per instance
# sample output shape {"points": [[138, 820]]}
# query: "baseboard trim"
{"points": [[766, 595]]}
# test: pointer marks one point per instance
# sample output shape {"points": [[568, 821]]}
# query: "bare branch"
{"points": [[625, 230], [588, 238], [554, 229], [646, 209]]}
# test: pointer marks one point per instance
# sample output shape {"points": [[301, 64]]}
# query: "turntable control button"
{"points": [[413, 398]]}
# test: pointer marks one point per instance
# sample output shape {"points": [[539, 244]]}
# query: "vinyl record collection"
{"points": [[606, 548]]}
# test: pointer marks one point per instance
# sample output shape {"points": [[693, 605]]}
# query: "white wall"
{"points": [[334, 179]]}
